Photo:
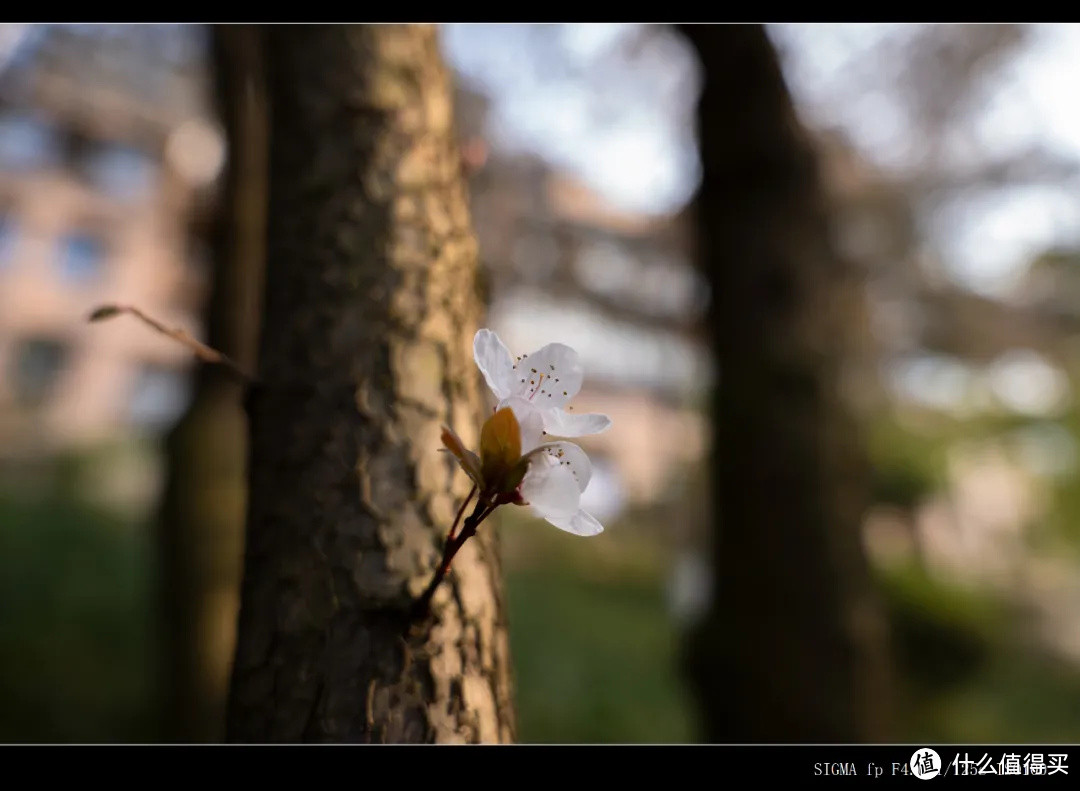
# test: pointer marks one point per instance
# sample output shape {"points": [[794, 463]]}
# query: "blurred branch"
{"points": [[1035, 165], [974, 327], [201, 350], [562, 281], [615, 308], [946, 65]]}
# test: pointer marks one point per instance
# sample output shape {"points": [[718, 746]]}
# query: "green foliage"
{"points": [[1018, 697], [75, 644], [906, 466], [969, 671], [940, 633], [1062, 525]]}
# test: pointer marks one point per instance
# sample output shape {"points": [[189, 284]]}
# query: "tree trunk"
{"points": [[371, 304], [794, 646], [203, 506]]}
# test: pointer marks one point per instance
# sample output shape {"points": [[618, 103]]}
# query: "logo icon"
{"points": [[925, 763]]}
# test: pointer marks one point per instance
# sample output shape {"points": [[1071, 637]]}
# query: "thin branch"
{"points": [[201, 350], [460, 511], [483, 510]]}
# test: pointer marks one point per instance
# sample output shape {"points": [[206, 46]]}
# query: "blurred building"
{"points": [[106, 151]]}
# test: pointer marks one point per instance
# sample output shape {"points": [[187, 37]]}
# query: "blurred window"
{"points": [[37, 364], [158, 396], [121, 171], [27, 143], [8, 235], [82, 256]]}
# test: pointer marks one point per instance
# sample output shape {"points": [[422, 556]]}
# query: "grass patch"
{"points": [[595, 650], [75, 647]]}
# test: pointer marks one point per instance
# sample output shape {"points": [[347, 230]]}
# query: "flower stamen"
{"points": [[536, 385]]}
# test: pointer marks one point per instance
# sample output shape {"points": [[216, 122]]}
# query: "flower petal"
{"points": [[500, 447], [563, 424], [581, 523], [530, 419], [549, 377], [494, 361], [550, 487], [570, 456]]}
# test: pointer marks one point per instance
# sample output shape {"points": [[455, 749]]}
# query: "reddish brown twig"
{"points": [[481, 512], [201, 350], [460, 511]]}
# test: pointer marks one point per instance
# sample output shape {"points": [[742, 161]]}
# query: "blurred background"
{"points": [[950, 158]]}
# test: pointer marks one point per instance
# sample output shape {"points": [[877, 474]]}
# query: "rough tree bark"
{"points": [[793, 648], [202, 524], [371, 304]]}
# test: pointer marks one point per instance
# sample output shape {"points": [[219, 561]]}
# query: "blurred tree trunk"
{"points": [[205, 493], [370, 309], [793, 648]]}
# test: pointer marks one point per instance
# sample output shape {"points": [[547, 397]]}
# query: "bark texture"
{"points": [[203, 510], [371, 304], [794, 646]]}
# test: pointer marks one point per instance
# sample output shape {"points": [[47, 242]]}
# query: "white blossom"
{"points": [[546, 380], [537, 387]]}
